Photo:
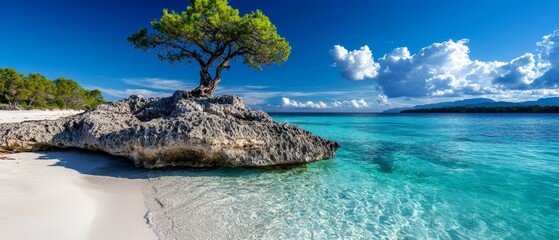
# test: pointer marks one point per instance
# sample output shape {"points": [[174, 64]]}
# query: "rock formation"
{"points": [[174, 131]]}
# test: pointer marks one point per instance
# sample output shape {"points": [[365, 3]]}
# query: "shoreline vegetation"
{"points": [[35, 91], [512, 109]]}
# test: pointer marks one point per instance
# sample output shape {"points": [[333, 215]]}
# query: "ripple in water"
{"points": [[389, 184]]}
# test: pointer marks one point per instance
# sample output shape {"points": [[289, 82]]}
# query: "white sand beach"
{"points": [[26, 115], [69, 194]]}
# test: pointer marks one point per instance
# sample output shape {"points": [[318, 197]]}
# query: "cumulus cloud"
{"points": [[549, 61], [354, 103], [286, 102], [359, 103], [382, 99], [446, 69], [355, 65], [518, 73]]}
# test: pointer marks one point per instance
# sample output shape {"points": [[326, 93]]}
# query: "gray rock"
{"points": [[175, 131]]}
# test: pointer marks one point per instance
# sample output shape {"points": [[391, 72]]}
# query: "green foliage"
{"points": [[212, 33], [92, 98], [69, 91], [512, 109], [40, 88], [14, 86], [36, 91], [58, 102]]}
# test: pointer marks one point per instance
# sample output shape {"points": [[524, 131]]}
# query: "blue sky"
{"points": [[445, 50]]}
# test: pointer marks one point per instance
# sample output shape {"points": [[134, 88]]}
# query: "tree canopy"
{"points": [[36, 91], [212, 34]]}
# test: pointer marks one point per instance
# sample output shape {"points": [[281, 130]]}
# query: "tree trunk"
{"points": [[215, 82], [7, 99], [207, 85], [31, 101], [14, 98]]}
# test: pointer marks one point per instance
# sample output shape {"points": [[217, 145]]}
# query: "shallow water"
{"points": [[480, 176]]}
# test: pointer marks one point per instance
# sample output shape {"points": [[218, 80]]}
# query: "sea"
{"points": [[396, 176]]}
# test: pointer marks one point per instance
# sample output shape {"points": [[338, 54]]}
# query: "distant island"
{"points": [[510, 109], [480, 105], [35, 91]]}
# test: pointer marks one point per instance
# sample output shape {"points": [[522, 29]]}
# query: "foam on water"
{"points": [[396, 177]]}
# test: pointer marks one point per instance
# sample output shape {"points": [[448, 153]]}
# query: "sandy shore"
{"points": [[25, 115], [69, 194]]}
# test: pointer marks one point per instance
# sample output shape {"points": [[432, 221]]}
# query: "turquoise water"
{"points": [[446, 176]]}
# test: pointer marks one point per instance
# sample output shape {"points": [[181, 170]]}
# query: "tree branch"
{"points": [[174, 45]]}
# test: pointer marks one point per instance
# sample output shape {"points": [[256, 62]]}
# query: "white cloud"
{"points": [[359, 103], [337, 104], [382, 99], [159, 83], [441, 69], [124, 93], [446, 69], [286, 102], [354, 103], [518, 73], [150, 87], [355, 65], [548, 51], [549, 61], [253, 96]]}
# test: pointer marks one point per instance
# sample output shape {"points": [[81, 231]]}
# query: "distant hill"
{"points": [[480, 102], [509, 109]]}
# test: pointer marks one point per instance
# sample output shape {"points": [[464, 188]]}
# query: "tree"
{"points": [[39, 88], [3, 81], [39, 92], [92, 98], [212, 33], [14, 86], [68, 90]]}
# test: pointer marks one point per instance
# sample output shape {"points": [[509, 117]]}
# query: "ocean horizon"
{"points": [[397, 176]]}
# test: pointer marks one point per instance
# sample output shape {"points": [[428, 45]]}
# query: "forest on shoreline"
{"points": [[35, 91], [511, 109]]}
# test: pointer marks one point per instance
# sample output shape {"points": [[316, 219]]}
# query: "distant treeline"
{"points": [[19, 91], [512, 109]]}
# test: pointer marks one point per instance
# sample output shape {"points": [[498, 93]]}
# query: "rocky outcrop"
{"points": [[175, 131]]}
